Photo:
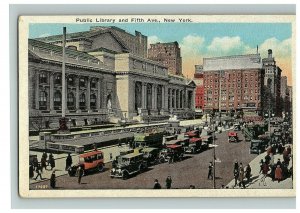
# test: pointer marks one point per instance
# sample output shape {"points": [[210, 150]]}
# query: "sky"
{"points": [[202, 40]]}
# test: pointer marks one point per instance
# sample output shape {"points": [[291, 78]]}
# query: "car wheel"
{"points": [[162, 160], [125, 175], [100, 167]]}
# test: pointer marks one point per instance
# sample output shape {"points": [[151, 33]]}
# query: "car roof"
{"points": [[232, 133], [173, 146], [131, 155], [192, 140], [149, 149], [88, 154]]}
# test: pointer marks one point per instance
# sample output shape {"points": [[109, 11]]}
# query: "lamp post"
{"points": [[214, 154]]}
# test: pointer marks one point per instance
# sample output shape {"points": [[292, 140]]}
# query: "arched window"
{"points": [[82, 101], [71, 101], [57, 79], [93, 99], [71, 81], [57, 100], [43, 100], [43, 78], [82, 82]]}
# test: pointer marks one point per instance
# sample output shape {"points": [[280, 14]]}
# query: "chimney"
{"points": [[269, 53]]}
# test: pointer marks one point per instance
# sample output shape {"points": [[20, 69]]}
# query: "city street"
{"points": [[193, 170]]}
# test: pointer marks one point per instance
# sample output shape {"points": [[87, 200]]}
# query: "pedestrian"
{"points": [[192, 187], [248, 173], [69, 162], [236, 176], [35, 163], [31, 173], [264, 172], [52, 180], [38, 172], [267, 158], [156, 185], [168, 182], [79, 174], [52, 163], [210, 167], [289, 150], [278, 174], [241, 176], [236, 165], [279, 163], [45, 155], [271, 159], [110, 156], [43, 163], [49, 158]]}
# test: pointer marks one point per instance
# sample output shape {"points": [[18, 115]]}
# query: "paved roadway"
{"points": [[193, 170]]}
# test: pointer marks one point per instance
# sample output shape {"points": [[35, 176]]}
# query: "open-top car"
{"points": [[89, 161], [128, 165], [194, 145], [233, 137]]}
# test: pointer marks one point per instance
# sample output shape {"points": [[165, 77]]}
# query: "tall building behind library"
{"points": [[168, 54], [108, 77]]}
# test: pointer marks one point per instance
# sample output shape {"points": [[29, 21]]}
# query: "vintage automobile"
{"points": [[194, 146], [184, 142], [233, 137], [169, 138], [192, 133], [236, 127], [151, 155], [152, 138], [128, 165], [206, 140], [257, 146], [89, 161], [171, 153]]}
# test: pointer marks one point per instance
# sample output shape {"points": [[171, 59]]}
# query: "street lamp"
{"points": [[214, 154]]}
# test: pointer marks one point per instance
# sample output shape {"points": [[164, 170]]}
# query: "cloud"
{"points": [[281, 49], [44, 35], [191, 45], [153, 39], [221, 46]]}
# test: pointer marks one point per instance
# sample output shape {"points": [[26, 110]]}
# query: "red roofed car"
{"points": [[89, 161], [172, 153], [233, 137], [194, 146]]}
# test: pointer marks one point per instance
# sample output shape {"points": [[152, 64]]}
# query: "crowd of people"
{"points": [[242, 176], [37, 167], [276, 171]]}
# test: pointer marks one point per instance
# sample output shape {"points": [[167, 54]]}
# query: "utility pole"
{"points": [[214, 156]]}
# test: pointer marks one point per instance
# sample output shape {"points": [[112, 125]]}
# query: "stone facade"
{"points": [[103, 84], [199, 94], [272, 82], [168, 54]]}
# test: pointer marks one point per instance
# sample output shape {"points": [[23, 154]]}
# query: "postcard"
{"points": [[156, 106]]}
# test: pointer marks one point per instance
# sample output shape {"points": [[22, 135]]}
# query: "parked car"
{"points": [[89, 161], [236, 127], [233, 137], [194, 146], [257, 146], [206, 140], [172, 153], [151, 155], [128, 165]]}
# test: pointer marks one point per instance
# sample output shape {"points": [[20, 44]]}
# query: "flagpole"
{"points": [[63, 107]]}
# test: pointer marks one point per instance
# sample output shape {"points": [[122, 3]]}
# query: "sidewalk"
{"points": [[60, 161], [255, 182]]}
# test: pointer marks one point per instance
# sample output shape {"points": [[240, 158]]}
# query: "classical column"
{"points": [[37, 90], [77, 93], [154, 96], [162, 97], [51, 92], [88, 94], [175, 99], [98, 94], [144, 95]]}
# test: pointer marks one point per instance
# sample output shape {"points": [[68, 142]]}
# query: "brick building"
{"points": [[199, 93], [233, 83], [168, 54]]}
